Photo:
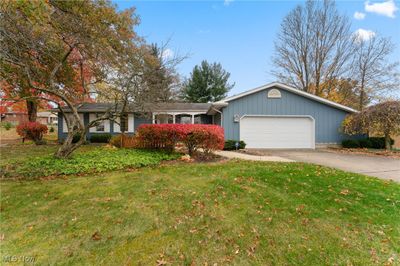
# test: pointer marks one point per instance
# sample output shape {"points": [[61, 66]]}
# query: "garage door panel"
{"points": [[277, 132]]}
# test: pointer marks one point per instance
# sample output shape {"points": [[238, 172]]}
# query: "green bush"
{"points": [[365, 143], [51, 130], [231, 145], [100, 138], [369, 143], [7, 125], [76, 138], [350, 143], [379, 142]]}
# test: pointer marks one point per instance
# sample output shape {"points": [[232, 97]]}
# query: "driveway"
{"points": [[382, 167]]}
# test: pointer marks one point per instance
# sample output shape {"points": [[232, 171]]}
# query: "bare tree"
{"points": [[313, 46], [376, 75], [161, 74]]}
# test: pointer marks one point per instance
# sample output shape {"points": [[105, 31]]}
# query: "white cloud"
{"points": [[227, 2], [359, 15], [387, 8], [364, 35], [167, 53]]}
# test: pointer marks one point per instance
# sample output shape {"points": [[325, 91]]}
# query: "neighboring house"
{"points": [[270, 116], [14, 117], [47, 118]]}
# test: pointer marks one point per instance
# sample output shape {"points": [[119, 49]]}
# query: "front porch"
{"points": [[182, 118]]}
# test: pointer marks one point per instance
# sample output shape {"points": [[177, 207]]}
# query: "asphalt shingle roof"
{"points": [[102, 107]]}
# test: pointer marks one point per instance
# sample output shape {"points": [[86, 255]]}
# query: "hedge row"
{"points": [[370, 143], [166, 136]]}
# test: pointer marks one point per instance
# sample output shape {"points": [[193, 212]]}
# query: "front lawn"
{"points": [[38, 161], [235, 212]]}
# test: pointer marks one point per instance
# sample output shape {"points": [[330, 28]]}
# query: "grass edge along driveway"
{"points": [[234, 212]]}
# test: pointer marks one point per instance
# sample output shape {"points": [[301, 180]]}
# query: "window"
{"points": [[124, 123], [100, 124], [185, 119], [164, 119], [197, 119]]}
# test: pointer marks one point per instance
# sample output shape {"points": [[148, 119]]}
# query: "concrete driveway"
{"points": [[382, 167]]}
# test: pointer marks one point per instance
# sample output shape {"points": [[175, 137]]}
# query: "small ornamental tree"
{"points": [[32, 130], [382, 118]]}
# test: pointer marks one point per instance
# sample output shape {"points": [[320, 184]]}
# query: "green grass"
{"points": [[241, 213], [87, 160]]}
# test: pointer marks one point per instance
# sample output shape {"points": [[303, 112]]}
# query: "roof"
{"points": [[201, 107], [290, 89], [158, 107], [46, 114]]}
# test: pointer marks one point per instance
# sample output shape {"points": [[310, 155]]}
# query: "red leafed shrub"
{"points": [[166, 136], [32, 130]]}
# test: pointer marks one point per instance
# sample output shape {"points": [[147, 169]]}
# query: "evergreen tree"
{"points": [[207, 83]]}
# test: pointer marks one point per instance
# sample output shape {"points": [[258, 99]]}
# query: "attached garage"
{"points": [[278, 132], [276, 116]]}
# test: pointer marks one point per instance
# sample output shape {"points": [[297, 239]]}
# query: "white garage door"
{"points": [[277, 132]]}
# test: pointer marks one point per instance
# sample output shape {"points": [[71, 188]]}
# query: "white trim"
{"points": [[117, 126], [290, 89], [288, 116], [131, 123], [179, 113]]}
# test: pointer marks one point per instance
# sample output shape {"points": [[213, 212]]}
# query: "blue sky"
{"points": [[240, 34]]}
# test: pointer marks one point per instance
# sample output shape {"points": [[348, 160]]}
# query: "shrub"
{"points": [[127, 142], [166, 136], [32, 130], [51, 130], [372, 142], [7, 125], [116, 141], [365, 143], [350, 143], [231, 145], [379, 142], [100, 138], [76, 138]]}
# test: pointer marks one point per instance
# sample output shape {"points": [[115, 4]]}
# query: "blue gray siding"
{"points": [[327, 119], [139, 119]]}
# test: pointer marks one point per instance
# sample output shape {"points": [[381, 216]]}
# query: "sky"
{"points": [[240, 34]]}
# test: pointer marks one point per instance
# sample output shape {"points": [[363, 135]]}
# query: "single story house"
{"points": [[47, 118], [271, 116]]}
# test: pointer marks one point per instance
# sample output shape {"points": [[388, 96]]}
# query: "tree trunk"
{"points": [[67, 148], [361, 103], [32, 107], [388, 145]]}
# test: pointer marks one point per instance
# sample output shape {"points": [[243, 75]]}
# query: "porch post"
{"points": [[173, 118], [192, 119], [154, 118]]}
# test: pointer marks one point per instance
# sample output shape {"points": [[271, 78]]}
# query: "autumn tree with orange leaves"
{"points": [[58, 50]]}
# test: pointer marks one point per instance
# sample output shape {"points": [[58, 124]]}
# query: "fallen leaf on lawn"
{"points": [[344, 192], [390, 260], [96, 236], [237, 251], [161, 262], [1, 237]]}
